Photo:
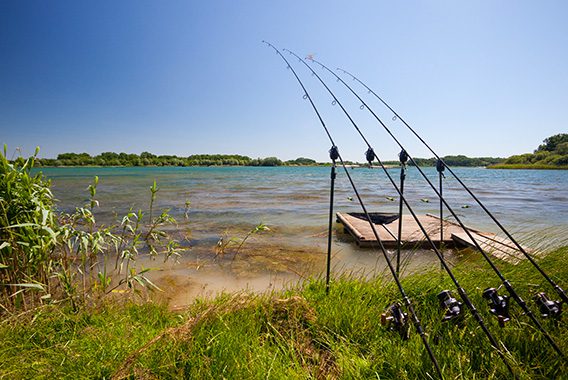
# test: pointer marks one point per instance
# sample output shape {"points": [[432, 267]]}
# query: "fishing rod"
{"points": [[503, 279], [371, 156], [556, 287], [410, 308], [440, 169]]}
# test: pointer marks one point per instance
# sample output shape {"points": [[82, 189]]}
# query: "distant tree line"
{"points": [[458, 160], [149, 159], [552, 153], [461, 160]]}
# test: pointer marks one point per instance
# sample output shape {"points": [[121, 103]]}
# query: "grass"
{"points": [[296, 334]]}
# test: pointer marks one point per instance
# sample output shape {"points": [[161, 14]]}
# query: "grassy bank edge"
{"points": [[299, 333]]}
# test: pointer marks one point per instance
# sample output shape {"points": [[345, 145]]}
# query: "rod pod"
{"points": [[370, 156], [410, 308], [556, 287], [403, 158], [505, 282]]}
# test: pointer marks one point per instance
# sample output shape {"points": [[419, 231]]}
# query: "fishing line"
{"points": [[504, 281], [370, 156], [556, 287], [407, 302]]}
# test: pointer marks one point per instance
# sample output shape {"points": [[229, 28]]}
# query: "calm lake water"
{"points": [[293, 202]]}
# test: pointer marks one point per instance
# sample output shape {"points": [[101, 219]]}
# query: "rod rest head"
{"points": [[440, 167], [370, 155], [403, 157], [334, 153]]}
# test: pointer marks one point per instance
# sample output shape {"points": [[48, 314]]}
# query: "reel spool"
{"points": [[452, 306], [396, 320], [498, 305]]}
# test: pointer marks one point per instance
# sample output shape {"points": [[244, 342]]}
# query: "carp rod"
{"points": [[556, 287], [410, 308], [371, 156], [503, 279]]}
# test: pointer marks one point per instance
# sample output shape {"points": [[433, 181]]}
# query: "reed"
{"points": [[28, 232], [49, 257]]}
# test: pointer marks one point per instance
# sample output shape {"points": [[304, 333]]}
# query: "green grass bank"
{"points": [[301, 333]]}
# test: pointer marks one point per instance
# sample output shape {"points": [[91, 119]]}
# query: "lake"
{"points": [[227, 202]]}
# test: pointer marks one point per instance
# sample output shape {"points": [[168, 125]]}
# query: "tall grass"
{"points": [[49, 257], [28, 231]]}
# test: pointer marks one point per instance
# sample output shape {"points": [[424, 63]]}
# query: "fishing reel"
{"points": [[547, 307], [452, 306], [396, 320], [498, 305]]}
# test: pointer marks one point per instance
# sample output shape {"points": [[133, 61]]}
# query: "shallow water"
{"points": [[293, 202]]}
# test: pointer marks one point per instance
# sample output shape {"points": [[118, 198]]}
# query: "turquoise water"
{"points": [[298, 196], [293, 202]]}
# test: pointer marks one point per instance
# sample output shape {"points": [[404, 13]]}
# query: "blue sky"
{"points": [[481, 78]]}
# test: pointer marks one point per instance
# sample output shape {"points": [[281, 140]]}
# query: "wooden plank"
{"points": [[349, 226], [412, 235], [362, 232], [493, 245]]}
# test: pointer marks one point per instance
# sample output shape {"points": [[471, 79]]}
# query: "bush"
{"points": [[561, 160]]}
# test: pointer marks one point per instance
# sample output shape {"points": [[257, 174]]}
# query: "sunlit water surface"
{"points": [[294, 203]]}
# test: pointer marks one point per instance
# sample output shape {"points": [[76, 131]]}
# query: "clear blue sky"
{"points": [[481, 78]]}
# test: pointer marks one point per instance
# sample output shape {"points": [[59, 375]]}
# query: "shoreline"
{"points": [[492, 167], [526, 167]]}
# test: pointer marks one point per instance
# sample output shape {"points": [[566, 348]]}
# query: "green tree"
{"points": [[562, 148], [270, 161], [301, 161], [551, 143]]}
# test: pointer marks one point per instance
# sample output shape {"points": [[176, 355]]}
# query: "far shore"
{"points": [[527, 167], [350, 166], [356, 166]]}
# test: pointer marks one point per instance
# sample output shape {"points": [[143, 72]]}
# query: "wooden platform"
{"points": [[412, 237]]}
